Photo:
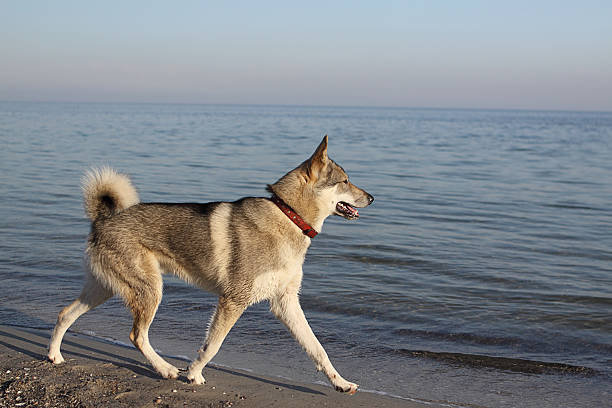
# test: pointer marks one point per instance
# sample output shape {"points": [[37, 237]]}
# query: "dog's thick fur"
{"points": [[244, 251]]}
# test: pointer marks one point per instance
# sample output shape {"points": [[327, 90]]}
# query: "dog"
{"points": [[245, 251]]}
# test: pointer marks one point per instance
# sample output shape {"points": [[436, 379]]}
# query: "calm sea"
{"points": [[480, 276]]}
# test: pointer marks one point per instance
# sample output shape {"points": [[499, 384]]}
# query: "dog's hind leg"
{"points": [[92, 295], [226, 314], [143, 298], [287, 309]]}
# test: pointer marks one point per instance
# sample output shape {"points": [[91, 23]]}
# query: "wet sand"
{"points": [[98, 374]]}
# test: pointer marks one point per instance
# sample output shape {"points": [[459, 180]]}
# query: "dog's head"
{"points": [[320, 184], [334, 189]]}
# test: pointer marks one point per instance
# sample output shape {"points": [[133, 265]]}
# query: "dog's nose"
{"points": [[370, 199]]}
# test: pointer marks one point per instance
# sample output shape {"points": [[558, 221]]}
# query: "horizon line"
{"points": [[52, 101]]}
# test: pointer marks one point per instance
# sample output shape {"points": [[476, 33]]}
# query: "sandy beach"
{"points": [[98, 374]]}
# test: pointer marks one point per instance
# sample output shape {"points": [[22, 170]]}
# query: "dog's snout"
{"points": [[370, 199]]}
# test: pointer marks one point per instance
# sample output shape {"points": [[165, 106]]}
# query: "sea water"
{"points": [[480, 276]]}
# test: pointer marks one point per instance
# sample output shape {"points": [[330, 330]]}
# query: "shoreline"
{"points": [[98, 373]]}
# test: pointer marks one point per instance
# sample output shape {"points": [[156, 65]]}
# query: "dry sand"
{"points": [[98, 374]]}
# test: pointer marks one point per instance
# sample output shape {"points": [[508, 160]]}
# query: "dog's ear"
{"points": [[318, 160]]}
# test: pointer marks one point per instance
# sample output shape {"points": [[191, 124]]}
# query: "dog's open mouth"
{"points": [[345, 210]]}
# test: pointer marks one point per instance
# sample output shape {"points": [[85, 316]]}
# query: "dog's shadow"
{"points": [[299, 388], [131, 364], [120, 361]]}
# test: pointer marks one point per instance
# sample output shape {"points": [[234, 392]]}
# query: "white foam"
{"points": [[110, 340], [387, 394]]}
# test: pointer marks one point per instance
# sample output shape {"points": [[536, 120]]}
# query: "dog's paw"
{"points": [[55, 357], [196, 378], [169, 371], [349, 388]]}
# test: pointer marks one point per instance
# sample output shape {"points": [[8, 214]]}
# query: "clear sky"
{"points": [[535, 54]]}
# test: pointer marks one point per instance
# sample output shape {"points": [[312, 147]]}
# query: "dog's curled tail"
{"points": [[107, 192]]}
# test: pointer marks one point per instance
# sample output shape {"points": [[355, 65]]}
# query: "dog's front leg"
{"points": [[226, 314], [288, 310]]}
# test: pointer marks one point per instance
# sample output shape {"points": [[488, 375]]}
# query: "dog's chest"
{"points": [[275, 282]]}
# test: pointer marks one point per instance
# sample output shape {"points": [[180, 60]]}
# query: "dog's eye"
{"points": [[345, 182]]}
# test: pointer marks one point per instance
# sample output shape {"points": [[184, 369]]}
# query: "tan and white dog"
{"points": [[245, 251]]}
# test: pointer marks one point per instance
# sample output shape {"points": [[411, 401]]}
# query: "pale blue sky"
{"points": [[487, 54]]}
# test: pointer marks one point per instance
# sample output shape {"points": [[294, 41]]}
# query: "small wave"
{"points": [[398, 262], [500, 363], [460, 337], [568, 206]]}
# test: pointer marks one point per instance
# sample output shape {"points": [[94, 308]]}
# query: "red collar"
{"points": [[293, 216]]}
